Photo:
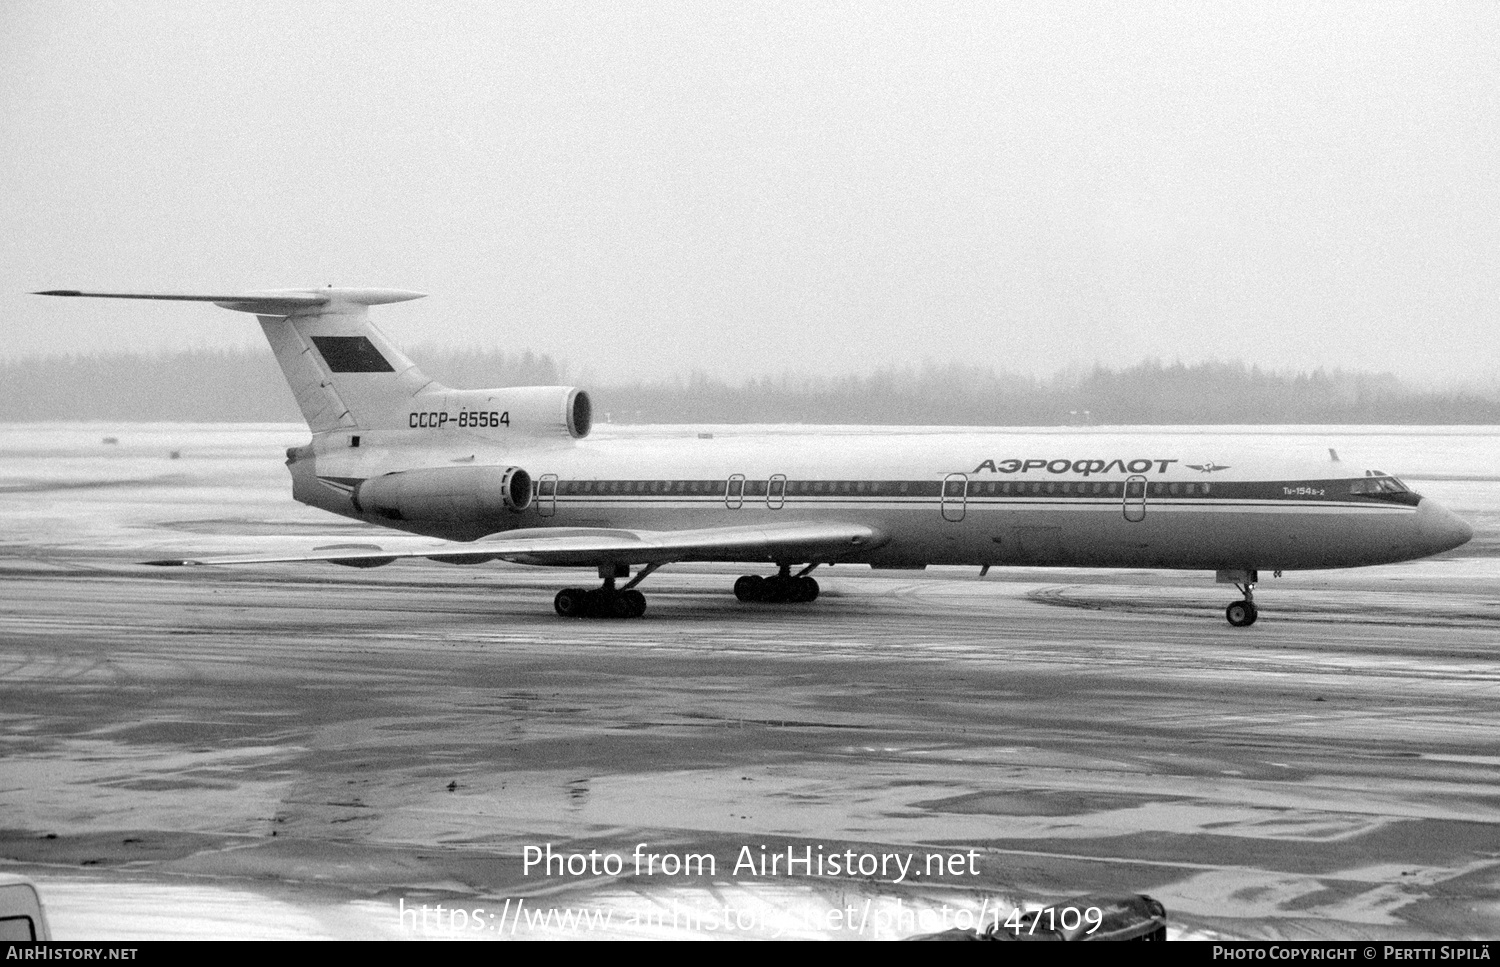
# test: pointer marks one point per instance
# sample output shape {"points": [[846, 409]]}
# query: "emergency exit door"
{"points": [[955, 496], [1135, 499]]}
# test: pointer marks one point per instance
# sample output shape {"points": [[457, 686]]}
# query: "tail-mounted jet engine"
{"points": [[460, 503], [536, 411]]}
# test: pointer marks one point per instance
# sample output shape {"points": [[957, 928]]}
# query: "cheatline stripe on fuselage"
{"points": [[1220, 495], [1291, 491], [637, 500]]}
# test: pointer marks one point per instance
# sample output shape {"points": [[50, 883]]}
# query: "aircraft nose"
{"points": [[1441, 529]]}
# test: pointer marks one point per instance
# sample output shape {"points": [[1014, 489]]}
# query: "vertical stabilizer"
{"points": [[343, 371]]}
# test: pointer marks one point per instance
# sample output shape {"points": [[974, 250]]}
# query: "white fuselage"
{"points": [[952, 497]]}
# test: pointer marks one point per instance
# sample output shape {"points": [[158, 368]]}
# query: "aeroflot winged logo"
{"points": [[1208, 467], [1080, 467]]}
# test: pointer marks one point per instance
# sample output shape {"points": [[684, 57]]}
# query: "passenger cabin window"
{"points": [[946, 489]]}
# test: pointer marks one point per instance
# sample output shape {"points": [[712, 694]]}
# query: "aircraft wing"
{"points": [[591, 546]]}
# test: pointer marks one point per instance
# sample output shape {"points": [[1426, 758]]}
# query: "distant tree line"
{"points": [[245, 385], [212, 385]]}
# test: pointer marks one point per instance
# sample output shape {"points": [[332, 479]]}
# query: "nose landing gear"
{"points": [[1241, 614], [783, 587]]}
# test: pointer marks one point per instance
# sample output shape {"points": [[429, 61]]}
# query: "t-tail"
{"points": [[348, 377]]}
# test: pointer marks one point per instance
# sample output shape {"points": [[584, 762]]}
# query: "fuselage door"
{"points": [[546, 494], [734, 491], [955, 496], [776, 491], [1135, 499]]}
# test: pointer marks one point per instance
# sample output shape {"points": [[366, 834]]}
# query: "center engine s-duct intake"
{"points": [[539, 411], [548, 409]]}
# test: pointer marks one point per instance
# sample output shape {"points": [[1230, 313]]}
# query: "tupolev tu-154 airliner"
{"points": [[510, 474]]}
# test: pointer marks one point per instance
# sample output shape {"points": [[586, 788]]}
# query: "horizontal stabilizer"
{"points": [[271, 302]]}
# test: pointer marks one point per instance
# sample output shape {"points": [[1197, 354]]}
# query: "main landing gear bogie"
{"points": [[599, 603], [605, 601], [780, 588]]}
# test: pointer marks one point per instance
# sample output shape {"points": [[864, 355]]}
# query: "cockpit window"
{"points": [[1378, 485]]}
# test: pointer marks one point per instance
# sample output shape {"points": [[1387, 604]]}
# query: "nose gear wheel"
{"points": [[1242, 614]]}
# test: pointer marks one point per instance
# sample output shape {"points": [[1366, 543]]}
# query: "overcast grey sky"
{"points": [[649, 188]]}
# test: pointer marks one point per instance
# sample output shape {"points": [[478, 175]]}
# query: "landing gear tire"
{"points": [[571, 603], [599, 603], [777, 589], [1241, 614]]}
